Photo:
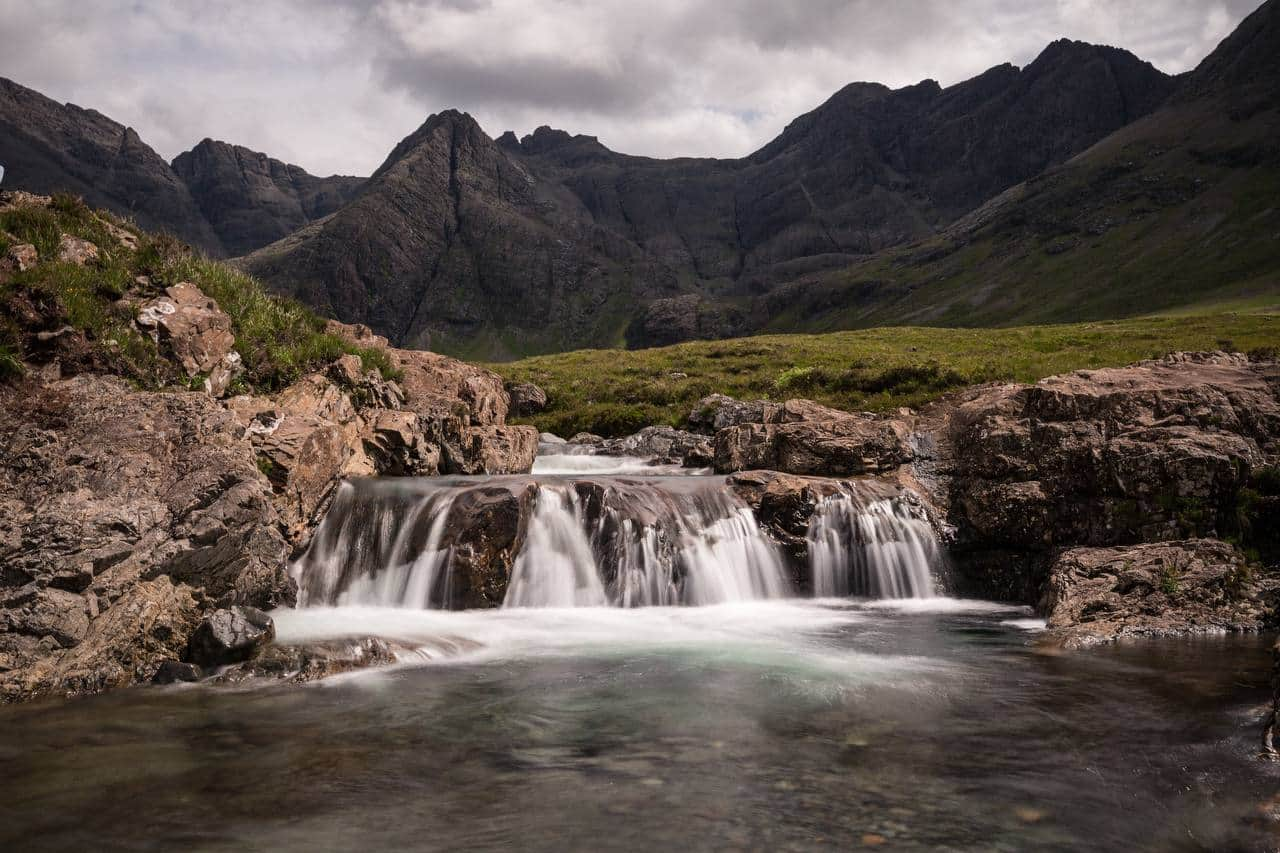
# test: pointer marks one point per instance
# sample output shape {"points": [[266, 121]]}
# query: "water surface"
{"points": [[781, 725]]}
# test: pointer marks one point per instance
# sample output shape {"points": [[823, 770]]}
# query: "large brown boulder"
{"points": [[1098, 595], [803, 437], [122, 514], [1156, 451]]}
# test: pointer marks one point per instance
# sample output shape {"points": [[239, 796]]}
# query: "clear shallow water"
{"points": [[774, 726]]}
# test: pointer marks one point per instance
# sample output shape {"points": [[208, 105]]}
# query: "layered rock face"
{"points": [[1156, 452], [250, 199], [124, 513]]}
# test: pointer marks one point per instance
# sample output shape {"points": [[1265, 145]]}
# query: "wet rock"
{"points": [[663, 444], [526, 398], [1098, 595], [192, 326], [1269, 744], [174, 671], [486, 529], [586, 439], [231, 635], [491, 450], [73, 250], [299, 664]]}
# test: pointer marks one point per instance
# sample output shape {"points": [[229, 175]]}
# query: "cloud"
{"points": [[333, 85]]}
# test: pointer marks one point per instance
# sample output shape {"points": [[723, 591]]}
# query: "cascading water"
{"points": [[623, 541], [607, 541], [876, 548]]}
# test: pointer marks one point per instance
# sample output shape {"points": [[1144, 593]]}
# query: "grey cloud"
{"points": [[334, 84]]}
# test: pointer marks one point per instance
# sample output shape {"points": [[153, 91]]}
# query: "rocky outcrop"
{"points": [[1158, 450], [803, 437], [123, 514], [1097, 595], [196, 332], [526, 398]]}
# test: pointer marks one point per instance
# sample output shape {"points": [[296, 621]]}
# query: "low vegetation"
{"points": [[278, 339], [613, 392]]}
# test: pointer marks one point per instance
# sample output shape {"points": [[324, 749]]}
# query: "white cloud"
{"points": [[333, 85]]}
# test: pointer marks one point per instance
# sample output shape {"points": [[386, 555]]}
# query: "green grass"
{"points": [[278, 339], [614, 392]]}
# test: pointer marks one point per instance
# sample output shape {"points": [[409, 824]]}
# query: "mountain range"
{"points": [[1087, 184]]}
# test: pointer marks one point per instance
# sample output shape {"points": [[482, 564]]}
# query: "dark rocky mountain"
{"points": [[50, 147], [223, 199], [1174, 210], [251, 199], [552, 241]]}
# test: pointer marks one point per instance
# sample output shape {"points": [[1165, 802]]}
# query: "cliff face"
{"points": [[50, 147], [251, 199], [554, 241], [1174, 209]]}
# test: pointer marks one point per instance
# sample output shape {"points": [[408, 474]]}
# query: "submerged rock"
{"points": [[297, 664], [174, 671]]}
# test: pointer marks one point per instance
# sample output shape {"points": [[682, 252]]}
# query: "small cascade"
{"points": [[624, 542], [881, 547]]}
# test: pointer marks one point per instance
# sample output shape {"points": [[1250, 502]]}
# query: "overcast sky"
{"points": [[332, 85]]}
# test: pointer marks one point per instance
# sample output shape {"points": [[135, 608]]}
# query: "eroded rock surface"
{"points": [[1192, 586], [123, 514]]}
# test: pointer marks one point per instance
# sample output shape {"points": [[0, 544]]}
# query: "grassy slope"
{"points": [[278, 339], [614, 392], [1177, 212]]}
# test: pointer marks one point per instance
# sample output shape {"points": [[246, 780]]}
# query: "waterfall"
{"points": [[877, 548], [608, 541]]}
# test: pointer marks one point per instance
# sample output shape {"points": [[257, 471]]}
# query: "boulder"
{"points": [[1156, 451], [192, 326], [663, 444], [526, 398], [175, 671], [119, 509], [21, 257], [73, 250], [491, 450], [718, 411], [834, 444], [1096, 595], [485, 532], [230, 635], [396, 446]]}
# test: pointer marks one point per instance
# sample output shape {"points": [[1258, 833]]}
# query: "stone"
{"points": [[192, 325], [1097, 595], [232, 635], [175, 671], [300, 664], [1155, 451], [526, 399], [491, 450], [73, 250], [663, 444], [807, 438], [22, 257], [395, 444], [718, 411]]}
